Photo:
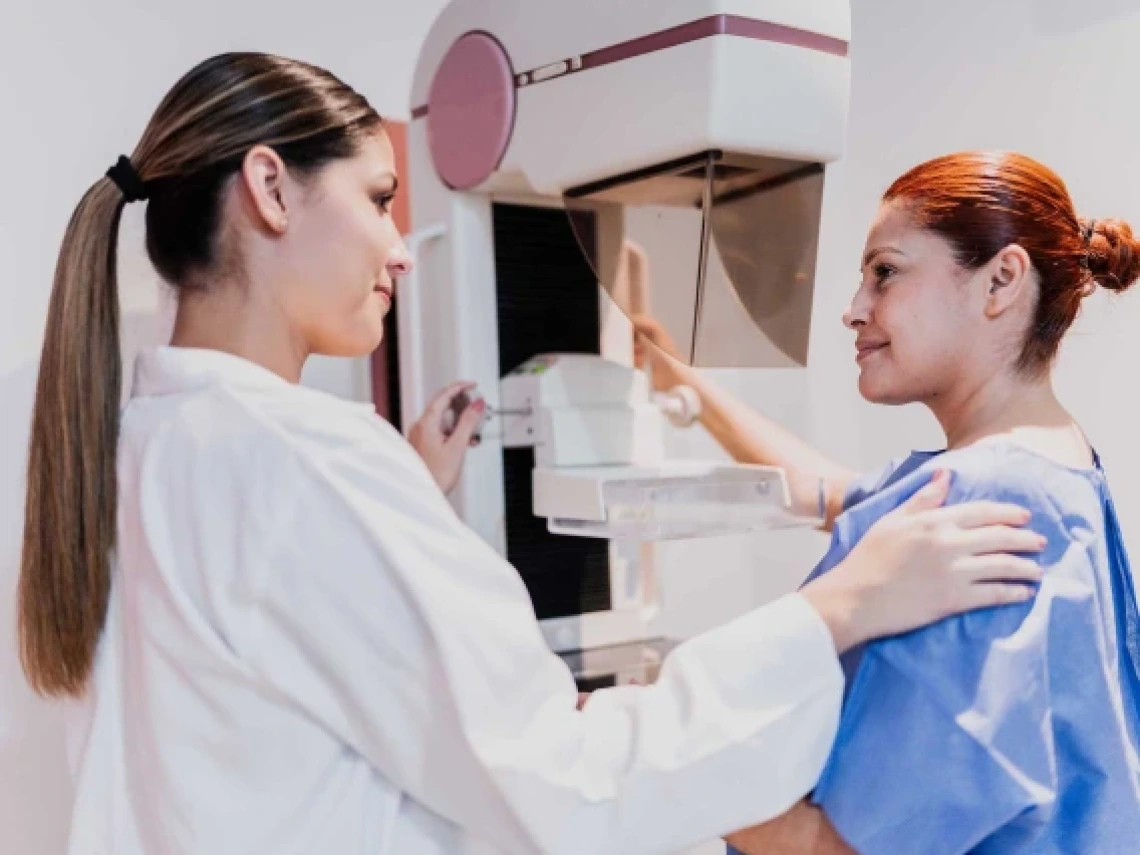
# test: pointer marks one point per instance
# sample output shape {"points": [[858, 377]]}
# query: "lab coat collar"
{"points": [[169, 370]]}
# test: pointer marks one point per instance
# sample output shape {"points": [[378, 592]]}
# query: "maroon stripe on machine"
{"points": [[714, 25]]}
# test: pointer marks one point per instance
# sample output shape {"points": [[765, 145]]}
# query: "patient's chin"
{"points": [[880, 390]]}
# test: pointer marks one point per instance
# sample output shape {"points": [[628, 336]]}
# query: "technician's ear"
{"points": [[263, 180], [1007, 277]]}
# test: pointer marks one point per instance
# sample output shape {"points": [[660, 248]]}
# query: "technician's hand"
{"points": [[922, 563], [444, 455], [654, 348]]}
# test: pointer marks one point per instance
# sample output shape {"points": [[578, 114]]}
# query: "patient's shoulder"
{"points": [[1066, 508], [1002, 472], [1006, 472]]}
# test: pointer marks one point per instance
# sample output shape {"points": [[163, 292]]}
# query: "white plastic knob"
{"points": [[681, 405]]}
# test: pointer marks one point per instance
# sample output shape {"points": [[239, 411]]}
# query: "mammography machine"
{"points": [[573, 164]]}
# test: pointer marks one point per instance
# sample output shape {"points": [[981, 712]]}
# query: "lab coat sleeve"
{"points": [[383, 618]]}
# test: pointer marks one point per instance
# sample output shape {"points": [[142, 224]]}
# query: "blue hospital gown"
{"points": [[1011, 730]]}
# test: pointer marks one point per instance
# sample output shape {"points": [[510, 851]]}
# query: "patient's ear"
{"points": [[1006, 277]]}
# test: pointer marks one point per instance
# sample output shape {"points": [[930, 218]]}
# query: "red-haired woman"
{"points": [[1013, 730]]}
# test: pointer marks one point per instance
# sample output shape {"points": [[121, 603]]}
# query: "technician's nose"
{"points": [[399, 261]]}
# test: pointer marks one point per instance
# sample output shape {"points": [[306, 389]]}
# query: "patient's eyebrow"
{"points": [[875, 252]]}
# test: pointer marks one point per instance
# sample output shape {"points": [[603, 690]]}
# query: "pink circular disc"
{"points": [[471, 111]]}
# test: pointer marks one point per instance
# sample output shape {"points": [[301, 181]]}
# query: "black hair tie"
{"points": [[127, 180]]}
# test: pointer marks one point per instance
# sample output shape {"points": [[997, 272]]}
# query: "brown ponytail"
{"points": [[69, 527], [194, 143]]}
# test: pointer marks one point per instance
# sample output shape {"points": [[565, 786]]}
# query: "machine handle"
{"points": [[409, 316]]}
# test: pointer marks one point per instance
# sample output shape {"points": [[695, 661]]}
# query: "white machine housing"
{"points": [[737, 94], [600, 464], [772, 83], [581, 410]]}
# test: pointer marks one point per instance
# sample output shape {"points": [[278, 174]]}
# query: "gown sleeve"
{"points": [[945, 737]]}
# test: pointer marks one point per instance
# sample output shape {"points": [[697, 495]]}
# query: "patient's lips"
{"points": [[866, 347]]}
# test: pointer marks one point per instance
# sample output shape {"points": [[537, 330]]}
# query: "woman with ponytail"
{"points": [[282, 638]]}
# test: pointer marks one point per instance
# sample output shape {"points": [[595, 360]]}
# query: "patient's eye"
{"points": [[882, 272]]}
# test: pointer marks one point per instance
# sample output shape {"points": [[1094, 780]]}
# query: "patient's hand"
{"points": [[804, 830], [654, 348]]}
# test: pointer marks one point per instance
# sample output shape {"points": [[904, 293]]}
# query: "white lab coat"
{"points": [[306, 651]]}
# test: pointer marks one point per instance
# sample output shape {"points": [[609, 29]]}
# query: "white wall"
{"points": [[1051, 77]]}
